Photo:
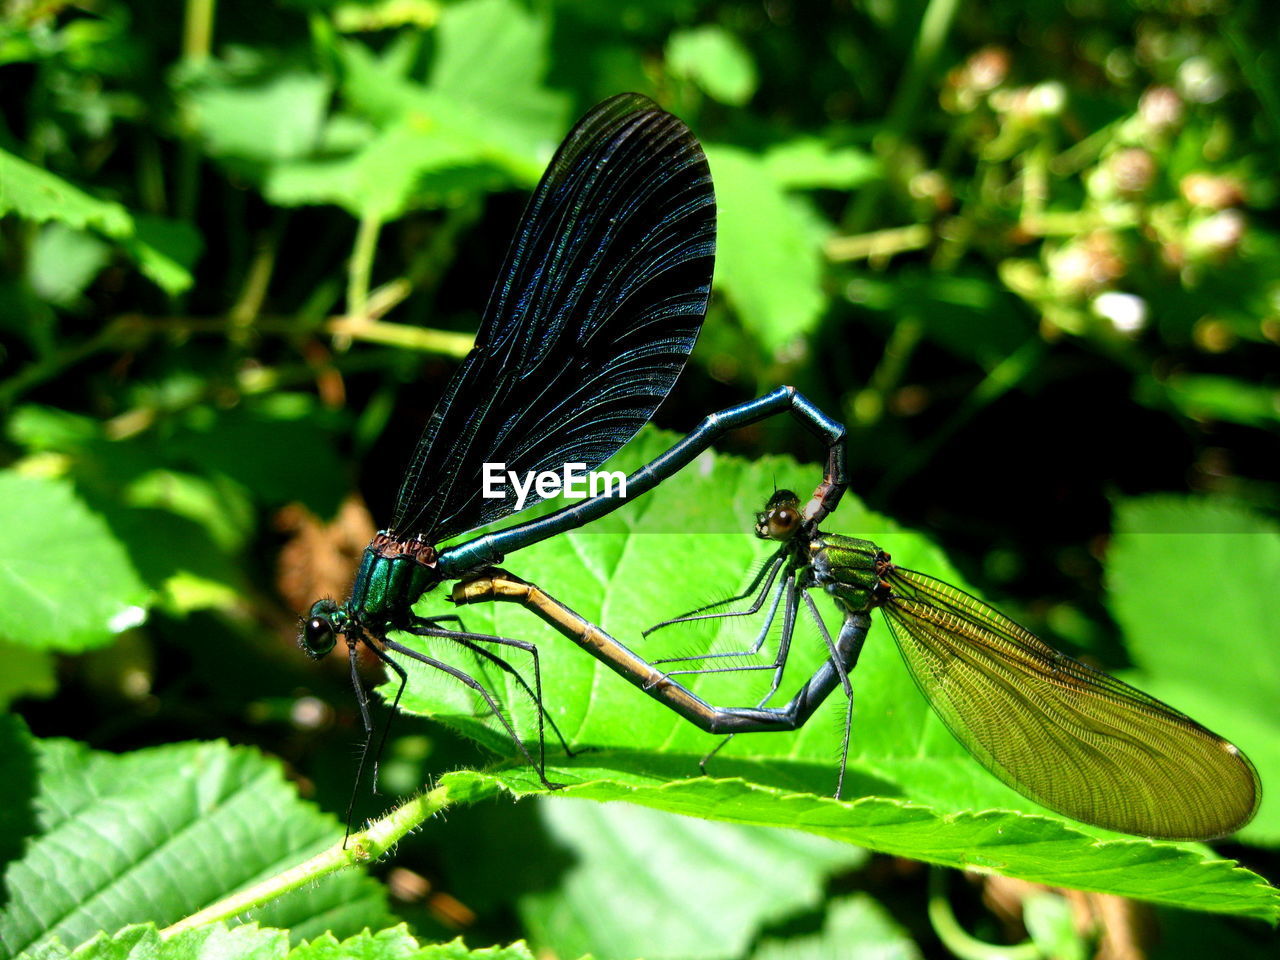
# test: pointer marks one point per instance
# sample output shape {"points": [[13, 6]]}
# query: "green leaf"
{"points": [[164, 250], [40, 196], [397, 943], [1192, 583], [64, 262], [506, 37], [463, 132], [157, 834], [505, 107], [1041, 849], [646, 884], [252, 942], [67, 582], [768, 260], [278, 118], [854, 927], [38, 427], [810, 163], [713, 59], [921, 794], [1206, 397], [410, 163]]}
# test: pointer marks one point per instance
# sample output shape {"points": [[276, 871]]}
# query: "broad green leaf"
{"points": [[768, 261], [217, 507], [67, 582], [647, 884], [715, 60], [410, 163], [1192, 582], [1042, 849], [505, 36], [276, 119], [809, 163], [64, 262], [179, 560], [181, 530], [911, 789], [854, 928], [160, 833], [253, 942], [462, 132], [40, 196], [505, 106]]}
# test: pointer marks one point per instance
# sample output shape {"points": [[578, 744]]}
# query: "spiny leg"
{"points": [[779, 665], [826, 637], [470, 681], [362, 700], [844, 682], [852, 635], [386, 727], [770, 567], [470, 641], [754, 648], [443, 618]]}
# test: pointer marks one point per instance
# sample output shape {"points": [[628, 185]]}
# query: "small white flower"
{"points": [[1127, 312]]}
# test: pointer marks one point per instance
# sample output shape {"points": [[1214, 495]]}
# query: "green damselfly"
{"points": [[1060, 732]]}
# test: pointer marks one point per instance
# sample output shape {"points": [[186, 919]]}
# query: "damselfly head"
{"points": [[780, 518], [319, 633]]}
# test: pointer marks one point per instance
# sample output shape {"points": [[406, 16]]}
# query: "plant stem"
{"points": [[361, 265], [879, 244], [363, 847], [197, 41], [129, 331], [958, 940], [934, 27]]}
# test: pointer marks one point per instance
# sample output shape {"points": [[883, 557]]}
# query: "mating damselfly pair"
{"points": [[597, 307]]}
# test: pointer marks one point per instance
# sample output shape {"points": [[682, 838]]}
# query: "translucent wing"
{"points": [[1062, 733], [598, 304]]}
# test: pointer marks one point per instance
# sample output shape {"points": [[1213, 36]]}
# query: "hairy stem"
{"points": [[363, 847]]}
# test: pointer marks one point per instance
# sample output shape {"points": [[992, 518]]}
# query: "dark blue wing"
{"points": [[599, 303]]}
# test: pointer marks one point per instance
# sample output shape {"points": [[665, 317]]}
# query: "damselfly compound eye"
{"points": [[783, 522], [318, 637]]}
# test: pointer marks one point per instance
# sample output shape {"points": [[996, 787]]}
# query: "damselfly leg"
{"points": [[498, 585]]}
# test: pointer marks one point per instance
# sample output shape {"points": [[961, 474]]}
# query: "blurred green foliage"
{"points": [[1029, 253]]}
